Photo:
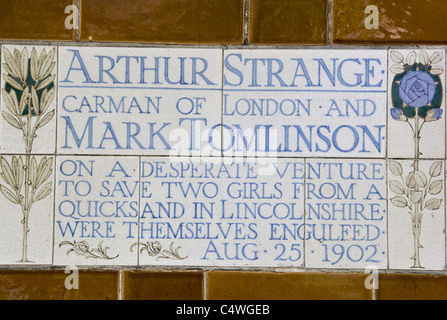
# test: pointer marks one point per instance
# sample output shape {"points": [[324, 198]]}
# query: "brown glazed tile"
{"points": [[185, 285], [412, 287], [400, 22], [34, 20], [163, 21], [288, 22], [286, 286], [50, 285]]}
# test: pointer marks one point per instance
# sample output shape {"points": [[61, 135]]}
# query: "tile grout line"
{"points": [[53, 254], [296, 46], [139, 209], [222, 79], [445, 171], [387, 159], [445, 211], [285, 157], [78, 22], [120, 284], [306, 163], [246, 26], [387, 216], [205, 284], [330, 6]]}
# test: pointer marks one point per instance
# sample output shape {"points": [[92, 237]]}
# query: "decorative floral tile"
{"points": [[26, 202], [221, 212], [416, 214], [346, 214], [138, 101], [416, 97], [96, 210], [28, 99], [305, 103]]}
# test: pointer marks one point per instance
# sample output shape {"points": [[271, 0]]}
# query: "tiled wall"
{"points": [[243, 24]]}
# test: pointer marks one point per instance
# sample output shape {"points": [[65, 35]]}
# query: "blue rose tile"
{"points": [[416, 99]]}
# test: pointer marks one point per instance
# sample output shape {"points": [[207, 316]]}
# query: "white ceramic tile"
{"points": [[416, 83], [416, 209], [319, 103], [96, 210], [346, 214], [28, 72], [222, 213], [138, 101], [26, 202]]}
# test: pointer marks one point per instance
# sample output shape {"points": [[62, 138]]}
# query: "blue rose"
{"points": [[417, 89]]}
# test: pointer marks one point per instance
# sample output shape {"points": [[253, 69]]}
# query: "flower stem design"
{"points": [[417, 95], [83, 249], [413, 193], [28, 94], [154, 249]]}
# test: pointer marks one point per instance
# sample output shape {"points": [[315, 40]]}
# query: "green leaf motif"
{"points": [[11, 120], [436, 57], [416, 197], [411, 58], [17, 170], [9, 195], [435, 187], [46, 82], [46, 119], [424, 58], [397, 187], [24, 101], [33, 172], [436, 169], [420, 179], [11, 101], [24, 63], [11, 62], [13, 82], [44, 171], [44, 192], [34, 61], [397, 57], [399, 201], [433, 204], [411, 182], [396, 168], [6, 173], [437, 71], [46, 99], [47, 65]]}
